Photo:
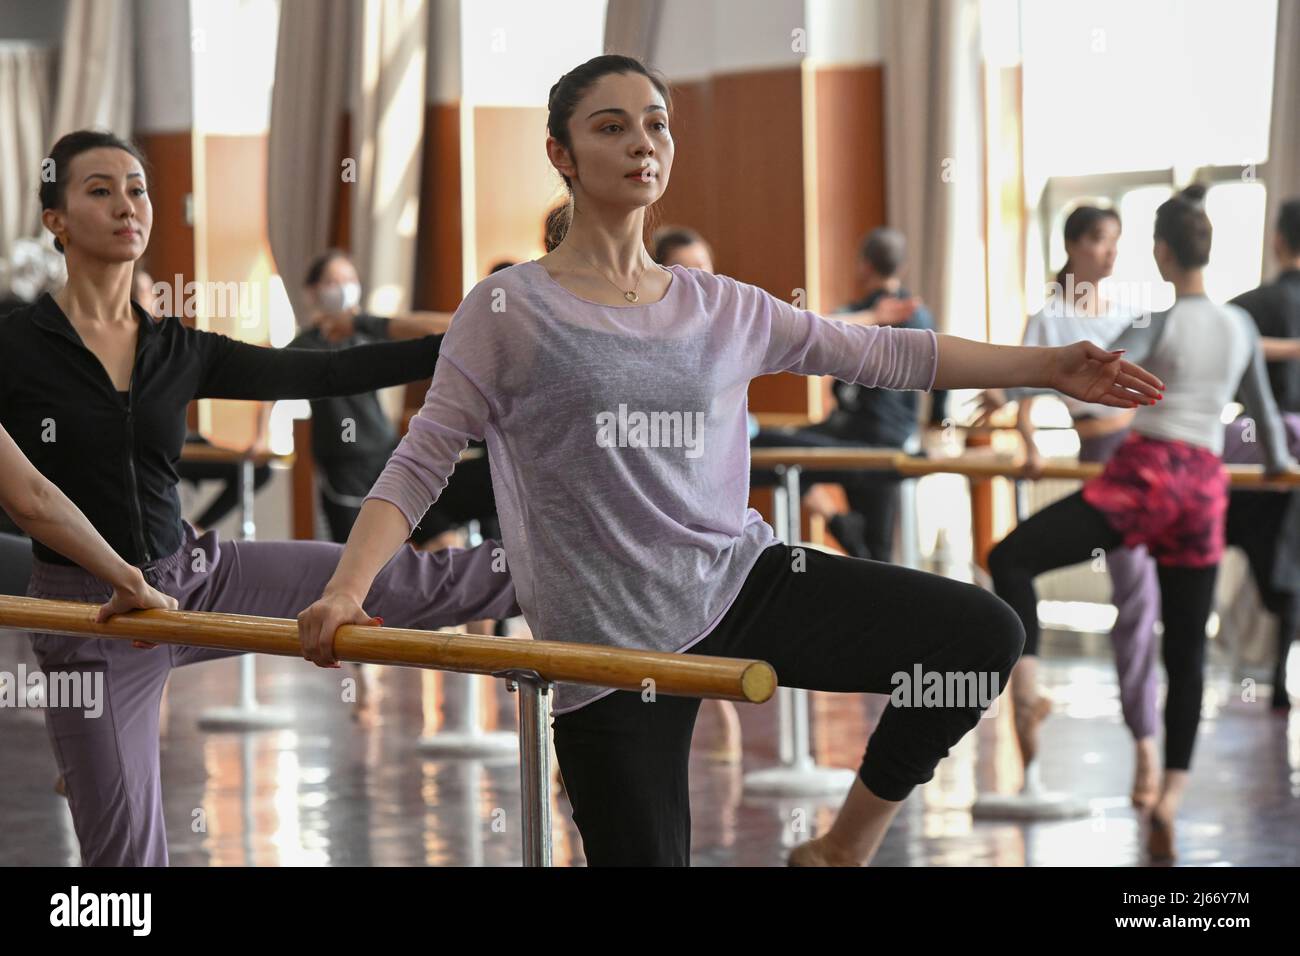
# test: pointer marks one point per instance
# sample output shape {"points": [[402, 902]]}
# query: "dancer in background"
{"points": [[1075, 309], [1164, 487]]}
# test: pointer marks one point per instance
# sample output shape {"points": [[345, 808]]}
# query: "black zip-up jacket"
{"points": [[115, 455]]}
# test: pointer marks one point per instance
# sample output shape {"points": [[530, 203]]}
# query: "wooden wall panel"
{"points": [[849, 174], [171, 182]]}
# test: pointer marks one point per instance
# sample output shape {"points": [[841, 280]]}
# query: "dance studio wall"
{"points": [[164, 127], [780, 139]]}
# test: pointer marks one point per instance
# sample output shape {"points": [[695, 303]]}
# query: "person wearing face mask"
{"points": [[352, 435]]}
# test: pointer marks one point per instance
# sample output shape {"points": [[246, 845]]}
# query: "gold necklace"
{"points": [[629, 294]]}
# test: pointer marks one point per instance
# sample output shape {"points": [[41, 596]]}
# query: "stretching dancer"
{"points": [[109, 434], [1075, 310], [1165, 486], [614, 538]]}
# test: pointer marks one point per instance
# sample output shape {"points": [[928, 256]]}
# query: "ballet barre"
{"points": [[797, 773], [530, 667], [248, 714], [972, 466]]}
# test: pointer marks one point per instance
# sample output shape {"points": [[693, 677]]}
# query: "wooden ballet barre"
{"points": [[973, 466], [528, 667], [685, 675], [201, 452]]}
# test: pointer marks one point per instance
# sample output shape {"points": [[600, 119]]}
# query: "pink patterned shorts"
{"points": [[1168, 495]]}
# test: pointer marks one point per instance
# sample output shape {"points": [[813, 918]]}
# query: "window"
{"points": [[1124, 103]]}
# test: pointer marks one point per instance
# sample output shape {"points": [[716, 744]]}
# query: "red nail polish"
{"points": [[379, 621]]}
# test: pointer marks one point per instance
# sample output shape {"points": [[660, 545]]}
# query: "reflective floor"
{"points": [[335, 789]]}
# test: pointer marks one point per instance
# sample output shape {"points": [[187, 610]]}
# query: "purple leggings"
{"points": [[1135, 592], [110, 762]]}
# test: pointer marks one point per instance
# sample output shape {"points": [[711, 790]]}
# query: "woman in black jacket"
{"points": [[94, 391]]}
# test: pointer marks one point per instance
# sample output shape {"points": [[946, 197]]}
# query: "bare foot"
{"points": [[1146, 786], [363, 692], [816, 853], [1160, 838], [819, 501], [1029, 714], [728, 749]]}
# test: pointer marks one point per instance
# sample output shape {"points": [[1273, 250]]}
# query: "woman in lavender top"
{"points": [[611, 393]]}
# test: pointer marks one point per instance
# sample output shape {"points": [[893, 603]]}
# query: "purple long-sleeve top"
{"points": [[619, 444]]}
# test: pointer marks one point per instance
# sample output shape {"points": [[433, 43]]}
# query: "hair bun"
{"points": [[1194, 193]]}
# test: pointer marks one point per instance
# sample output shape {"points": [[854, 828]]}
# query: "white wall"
{"points": [[443, 84], [515, 50], [702, 38], [232, 48], [843, 32], [164, 91]]}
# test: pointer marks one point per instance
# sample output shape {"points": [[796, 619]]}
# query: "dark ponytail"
{"points": [[1184, 227], [563, 100]]}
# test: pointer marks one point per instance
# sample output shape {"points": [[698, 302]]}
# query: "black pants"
{"points": [[872, 496], [1066, 533], [197, 471], [1255, 518], [825, 622], [467, 497], [344, 484], [15, 564]]}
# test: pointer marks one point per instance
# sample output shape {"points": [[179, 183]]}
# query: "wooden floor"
{"points": [[335, 790]]}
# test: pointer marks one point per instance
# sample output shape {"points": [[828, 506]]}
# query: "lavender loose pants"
{"points": [[111, 762], [1135, 592]]}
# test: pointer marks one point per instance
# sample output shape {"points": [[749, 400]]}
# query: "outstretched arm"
{"points": [[411, 325], [38, 507], [233, 369], [1280, 350], [1082, 370], [454, 412], [886, 357]]}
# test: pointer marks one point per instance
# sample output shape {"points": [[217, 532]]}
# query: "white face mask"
{"points": [[339, 298]]}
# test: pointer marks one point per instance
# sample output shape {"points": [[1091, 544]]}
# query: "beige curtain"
{"points": [[388, 96], [307, 102], [26, 75], [96, 86], [934, 152], [631, 27], [1282, 173]]}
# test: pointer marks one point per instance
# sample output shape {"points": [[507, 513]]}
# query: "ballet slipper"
{"points": [[1028, 717], [1160, 840], [813, 853]]}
